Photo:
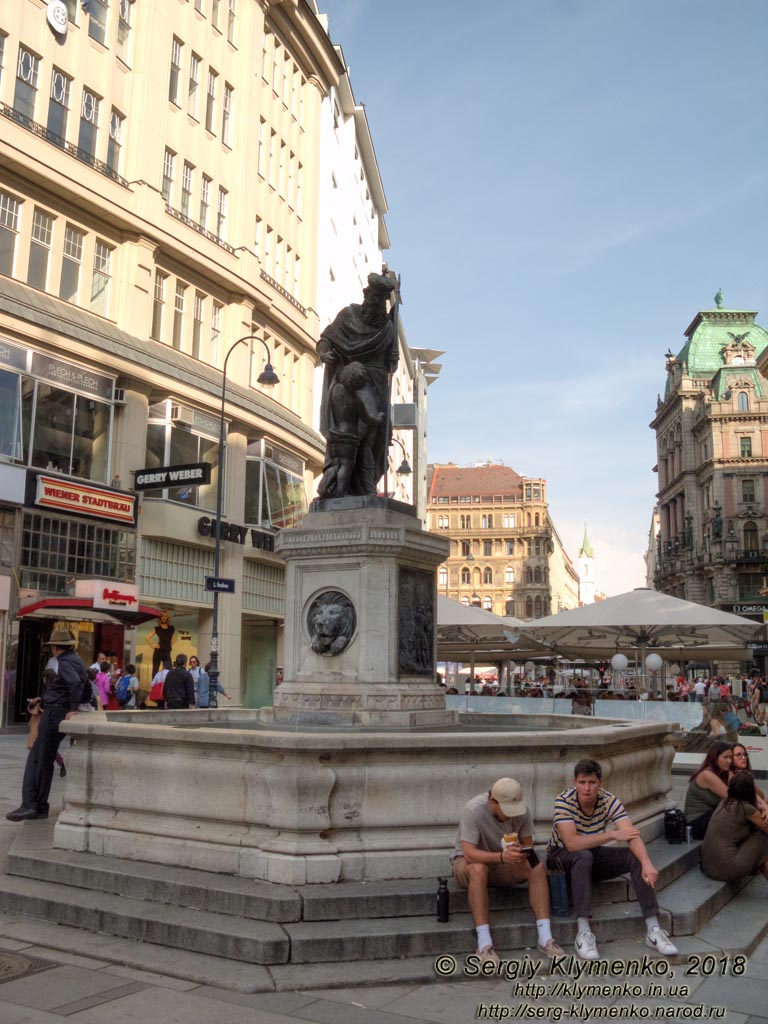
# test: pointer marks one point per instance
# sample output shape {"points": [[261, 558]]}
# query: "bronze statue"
{"points": [[360, 352]]}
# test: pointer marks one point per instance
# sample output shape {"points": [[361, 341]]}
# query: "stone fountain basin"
{"points": [[219, 790]]}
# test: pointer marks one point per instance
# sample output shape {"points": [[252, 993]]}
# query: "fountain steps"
{"points": [[227, 927]]}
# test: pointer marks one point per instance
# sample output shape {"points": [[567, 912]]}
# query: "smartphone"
{"points": [[530, 853]]}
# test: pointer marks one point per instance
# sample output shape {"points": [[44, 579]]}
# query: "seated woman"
{"points": [[707, 787], [736, 843]]}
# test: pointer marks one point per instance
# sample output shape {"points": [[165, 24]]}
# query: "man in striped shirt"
{"points": [[580, 832]]}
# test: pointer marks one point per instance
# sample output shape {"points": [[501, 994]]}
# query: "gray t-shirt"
{"points": [[479, 827]]}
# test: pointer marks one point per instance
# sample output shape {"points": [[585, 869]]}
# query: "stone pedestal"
{"points": [[361, 615]]}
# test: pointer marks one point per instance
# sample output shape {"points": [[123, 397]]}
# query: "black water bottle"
{"points": [[443, 901]]}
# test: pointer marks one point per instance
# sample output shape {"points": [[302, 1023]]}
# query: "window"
{"points": [[115, 140], [299, 186], [175, 76], [210, 100], [72, 6], [509, 547], [537, 574], [186, 187], [27, 71], [40, 249], [751, 542], [509, 521], [97, 20], [488, 604], [537, 520], [745, 445], [174, 444], [71, 262], [442, 575], [537, 608], [194, 84], [537, 546], [215, 5], [231, 22], [205, 193], [750, 585], [58, 106], [487, 548], [262, 147], [124, 31], [9, 229], [215, 333], [509, 574], [178, 315], [466, 522], [488, 577], [226, 114], [272, 153], [70, 433], [199, 7], [268, 249], [89, 126], [743, 401], [102, 275], [3, 37], [529, 607], [528, 575], [465, 576], [258, 236], [748, 490], [221, 213], [278, 258], [167, 185], [197, 324], [466, 549], [158, 305]]}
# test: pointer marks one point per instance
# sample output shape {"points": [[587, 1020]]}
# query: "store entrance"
{"points": [[259, 660], [30, 664]]}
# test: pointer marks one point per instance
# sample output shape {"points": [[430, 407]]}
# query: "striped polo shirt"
{"points": [[608, 808]]}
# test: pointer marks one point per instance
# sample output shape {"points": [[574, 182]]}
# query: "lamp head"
{"points": [[404, 469], [268, 378]]}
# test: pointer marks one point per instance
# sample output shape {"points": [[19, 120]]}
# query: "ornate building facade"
{"points": [[711, 430], [502, 541]]}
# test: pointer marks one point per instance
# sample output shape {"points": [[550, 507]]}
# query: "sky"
{"points": [[569, 182]]}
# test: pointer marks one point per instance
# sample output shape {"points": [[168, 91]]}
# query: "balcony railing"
{"points": [[56, 140], [178, 215], [284, 292]]}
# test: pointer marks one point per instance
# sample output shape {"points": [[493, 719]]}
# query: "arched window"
{"points": [[488, 604], [509, 574], [743, 401], [537, 608], [490, 522], [536, 519], [528, 575], [537, 575], [529, 607], [465, 602], [750, 536], [509, 607], [529, 518], [537, 547], [488, 577], [443, 577], [465, 575]]}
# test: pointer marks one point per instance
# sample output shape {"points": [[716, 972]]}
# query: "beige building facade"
{"points": [[505, 555], [159, 201]]}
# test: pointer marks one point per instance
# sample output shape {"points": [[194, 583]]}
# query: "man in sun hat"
{"points": [[61, 700], [481, 858]]}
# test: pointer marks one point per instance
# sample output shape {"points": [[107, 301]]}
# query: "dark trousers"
{"points": [[584, 867], [38, 771], [176, 705]]}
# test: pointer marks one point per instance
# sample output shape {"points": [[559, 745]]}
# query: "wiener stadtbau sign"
{"points": [[172, 476]]}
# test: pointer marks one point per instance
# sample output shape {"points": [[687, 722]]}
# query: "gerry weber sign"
{"points": [[98, 502], [172, 476]]}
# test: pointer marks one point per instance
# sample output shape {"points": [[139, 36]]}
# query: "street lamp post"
{"points": [[267, 378]]}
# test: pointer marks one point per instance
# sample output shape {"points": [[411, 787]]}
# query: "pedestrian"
{"points": [[578, 845], [156, 693], [179, 688], [103, 682], [202, 681], [127, 688], [61, 700], [494, 848]]}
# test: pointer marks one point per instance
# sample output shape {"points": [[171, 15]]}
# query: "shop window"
{"points": [[274, 497], [56, 548], [71, 434]]}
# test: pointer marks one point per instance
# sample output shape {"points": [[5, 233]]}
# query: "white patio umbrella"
{"points": [[643, 620]]}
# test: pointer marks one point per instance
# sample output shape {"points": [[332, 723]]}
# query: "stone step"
{"points": [[181, 887], [202, 931], [693, 899]]}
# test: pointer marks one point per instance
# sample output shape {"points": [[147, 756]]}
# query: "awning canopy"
{"points": [[81, 608]]}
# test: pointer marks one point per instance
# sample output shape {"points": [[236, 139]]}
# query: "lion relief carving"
{"points": [[331, 622]]}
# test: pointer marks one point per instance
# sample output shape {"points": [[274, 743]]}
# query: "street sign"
{"points": [[219, 584]]}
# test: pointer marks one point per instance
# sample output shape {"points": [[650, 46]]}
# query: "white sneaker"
{"points": [[658, 939], [586, 946]]}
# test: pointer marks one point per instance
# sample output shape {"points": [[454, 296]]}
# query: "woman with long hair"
{"points": [[708, 786], [736, 843]]}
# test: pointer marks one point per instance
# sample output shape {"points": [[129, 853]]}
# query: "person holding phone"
{"points": [[494, 847], [586, 818]]}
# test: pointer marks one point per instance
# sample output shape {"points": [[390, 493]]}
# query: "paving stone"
{"points": [[275, 1002], [168, 1007], [370, 998], [11, 1013], [62, 985]]}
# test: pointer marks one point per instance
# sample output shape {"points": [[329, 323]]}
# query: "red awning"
{"points": [[82, 607]]}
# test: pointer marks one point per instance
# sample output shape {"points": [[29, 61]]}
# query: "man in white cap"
{"points": [[482, 858], [61, 700]]}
